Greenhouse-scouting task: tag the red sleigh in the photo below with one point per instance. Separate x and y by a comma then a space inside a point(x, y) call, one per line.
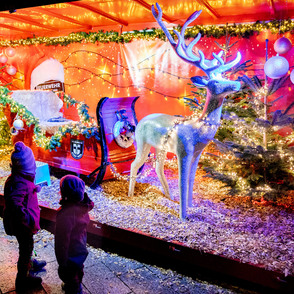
point(97, 157)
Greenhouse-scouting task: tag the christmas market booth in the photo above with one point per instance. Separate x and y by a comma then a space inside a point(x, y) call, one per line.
point(178, 115)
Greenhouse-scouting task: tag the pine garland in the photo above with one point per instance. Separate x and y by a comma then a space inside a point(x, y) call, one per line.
point(215, 31)
point(86, 126)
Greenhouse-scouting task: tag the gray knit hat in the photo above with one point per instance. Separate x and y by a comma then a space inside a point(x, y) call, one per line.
point(22, 159)
point(72, 188)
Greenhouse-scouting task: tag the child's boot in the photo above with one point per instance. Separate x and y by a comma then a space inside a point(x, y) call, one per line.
point(37, 265)
point(25, 282)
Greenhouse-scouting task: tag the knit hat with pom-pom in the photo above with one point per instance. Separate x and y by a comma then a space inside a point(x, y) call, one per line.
point(72, 188)
point(22, 159)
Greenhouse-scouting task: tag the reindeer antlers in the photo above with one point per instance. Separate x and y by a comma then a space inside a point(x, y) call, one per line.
point(158, 17)
point(212, 68)
point(181, 44)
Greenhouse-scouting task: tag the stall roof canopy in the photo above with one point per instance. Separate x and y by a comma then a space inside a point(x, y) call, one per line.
point(57, 18)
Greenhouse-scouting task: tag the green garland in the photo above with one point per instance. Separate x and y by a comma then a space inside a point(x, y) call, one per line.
point(216, 31)
point(86, 126)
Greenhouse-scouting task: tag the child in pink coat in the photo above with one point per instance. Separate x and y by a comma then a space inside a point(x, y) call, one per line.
point(71, 232)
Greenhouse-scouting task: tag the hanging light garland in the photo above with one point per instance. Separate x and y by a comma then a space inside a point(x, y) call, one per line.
point(102, 76)
point(239, 30)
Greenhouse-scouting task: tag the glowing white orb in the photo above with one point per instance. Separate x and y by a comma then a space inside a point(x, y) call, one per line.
point(276, 67)
point(18, 124)
point(3, 58)
point(11, 70)
point(10, 52)
point(292, 76)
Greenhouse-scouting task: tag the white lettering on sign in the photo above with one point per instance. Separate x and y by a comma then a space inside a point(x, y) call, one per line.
point(50, 85)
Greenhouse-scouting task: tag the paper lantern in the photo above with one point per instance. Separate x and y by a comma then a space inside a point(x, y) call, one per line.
point(10, 52)
point(3, 58)
point(276, 67)
point(282, 45)
point(18, 124)
point(11, 70)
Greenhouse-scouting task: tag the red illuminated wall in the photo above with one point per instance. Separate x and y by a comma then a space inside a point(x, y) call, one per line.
point(149, 69)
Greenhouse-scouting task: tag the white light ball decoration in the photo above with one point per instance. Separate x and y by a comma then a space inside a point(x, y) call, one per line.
point(3, 58)
point(11, 70)
point(282, 45)
point(18, 124)
point(10, 52)
point(292, 76)
point(276, 67)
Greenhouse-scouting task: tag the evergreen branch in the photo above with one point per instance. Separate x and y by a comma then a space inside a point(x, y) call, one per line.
point(193, 103)
point(257, 82)
point(249, 82)
point(276, 84)
point(274, 101)
point(288, 108)
point(241, 67)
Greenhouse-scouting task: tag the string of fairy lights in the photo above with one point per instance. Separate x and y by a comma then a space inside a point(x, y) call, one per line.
point(122, 73)
point(125, 69)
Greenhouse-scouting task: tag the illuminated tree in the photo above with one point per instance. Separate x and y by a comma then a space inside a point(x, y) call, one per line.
point(249, 154)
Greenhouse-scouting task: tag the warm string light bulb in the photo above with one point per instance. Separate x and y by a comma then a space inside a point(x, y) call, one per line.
point(123, 73)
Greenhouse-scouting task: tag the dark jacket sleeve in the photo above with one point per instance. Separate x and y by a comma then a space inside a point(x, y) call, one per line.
point(63, 230)
point(87, 202)
point(17, 206)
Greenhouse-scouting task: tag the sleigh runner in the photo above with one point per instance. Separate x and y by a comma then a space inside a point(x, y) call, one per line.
point(91, 152)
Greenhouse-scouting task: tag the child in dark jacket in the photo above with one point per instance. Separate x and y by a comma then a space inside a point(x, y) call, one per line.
point(71, 232)
point(21, 216)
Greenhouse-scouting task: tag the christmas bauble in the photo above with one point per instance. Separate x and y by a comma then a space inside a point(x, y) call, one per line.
point(276, 67)
point(11, 70)
point(18, 124)
point(10, 52)
point(292, 76)
point(282, 45)
point(3, 58)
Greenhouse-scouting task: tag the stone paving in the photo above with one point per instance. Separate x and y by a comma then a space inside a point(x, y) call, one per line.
point(104, 272)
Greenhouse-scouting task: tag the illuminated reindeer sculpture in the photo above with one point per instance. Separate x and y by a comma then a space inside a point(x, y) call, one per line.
point(184, 137)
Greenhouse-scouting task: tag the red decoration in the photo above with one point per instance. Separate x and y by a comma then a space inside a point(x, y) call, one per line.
point(10, 52)
point(3, 58)
point(282, 45)
point(11, 70)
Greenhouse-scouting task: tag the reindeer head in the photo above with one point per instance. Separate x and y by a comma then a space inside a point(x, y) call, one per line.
point(214, 82)
point(217, 87)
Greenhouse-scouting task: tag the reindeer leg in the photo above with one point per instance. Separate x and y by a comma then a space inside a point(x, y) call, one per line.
point(160, 173)
point(184, 163)
point(192, 179)
point(141, 157)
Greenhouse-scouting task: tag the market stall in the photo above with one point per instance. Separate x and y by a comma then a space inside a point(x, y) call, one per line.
point(233, 82)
